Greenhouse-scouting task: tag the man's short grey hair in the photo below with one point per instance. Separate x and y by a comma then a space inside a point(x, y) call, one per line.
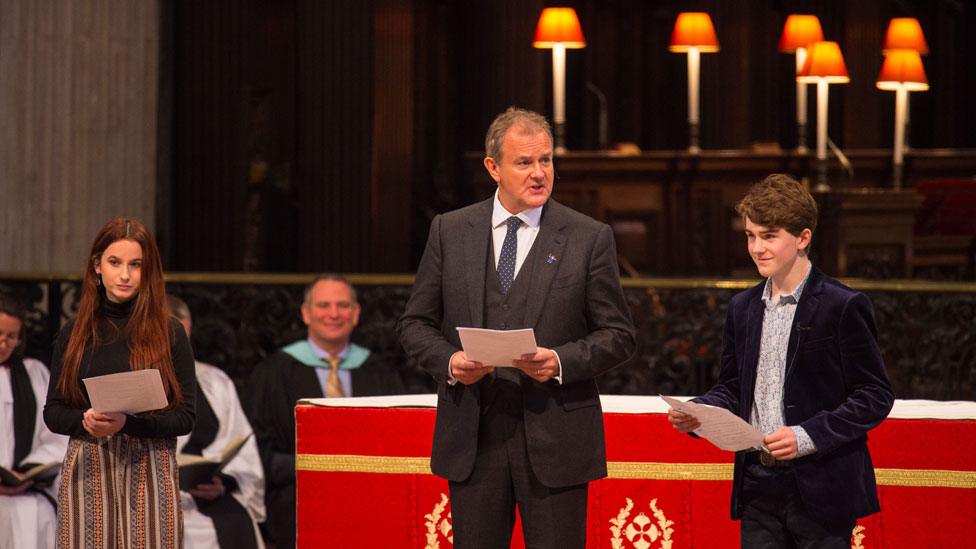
point(531, 121)
point(328, 276)
point(179, 308)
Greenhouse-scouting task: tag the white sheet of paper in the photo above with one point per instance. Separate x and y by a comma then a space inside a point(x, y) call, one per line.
point(127, 392)
point(720, 426)
point(496, 347)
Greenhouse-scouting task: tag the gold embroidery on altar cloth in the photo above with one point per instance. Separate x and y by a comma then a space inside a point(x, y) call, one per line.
point(857, 536)
point(439, 529)
point(640, 532)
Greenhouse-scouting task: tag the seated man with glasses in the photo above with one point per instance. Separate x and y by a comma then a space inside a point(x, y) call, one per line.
point(27, 510)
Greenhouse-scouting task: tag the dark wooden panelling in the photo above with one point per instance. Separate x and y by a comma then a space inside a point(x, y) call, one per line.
point(437, 146)
point(673, 212)
point(334, 133)
point(209, 147)
point(747, 88)
point(393, 129)
point(499, 67)
point(272, 237)
point(362, 110)
point(862, 55)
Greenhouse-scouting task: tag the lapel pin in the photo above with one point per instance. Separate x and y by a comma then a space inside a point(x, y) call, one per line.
point(551, 259)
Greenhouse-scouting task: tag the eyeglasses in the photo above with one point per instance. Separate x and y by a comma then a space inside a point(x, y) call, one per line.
point(10, 339)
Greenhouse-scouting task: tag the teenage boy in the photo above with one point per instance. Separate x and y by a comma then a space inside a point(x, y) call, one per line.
point(801, 363)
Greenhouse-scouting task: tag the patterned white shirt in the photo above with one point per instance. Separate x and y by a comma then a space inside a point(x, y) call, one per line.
point(767, 406)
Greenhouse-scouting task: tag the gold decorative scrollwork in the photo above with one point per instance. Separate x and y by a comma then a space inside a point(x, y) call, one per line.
point(640, 532)
point(438, 528)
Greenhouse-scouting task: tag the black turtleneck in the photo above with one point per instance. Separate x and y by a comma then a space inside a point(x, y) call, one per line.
point(110, 356)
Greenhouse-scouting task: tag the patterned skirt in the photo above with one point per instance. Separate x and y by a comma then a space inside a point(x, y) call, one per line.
point(120, 492)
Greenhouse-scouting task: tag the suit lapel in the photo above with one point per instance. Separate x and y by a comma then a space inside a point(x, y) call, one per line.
point(550, 242)
point(476, 239)
point(806, 311)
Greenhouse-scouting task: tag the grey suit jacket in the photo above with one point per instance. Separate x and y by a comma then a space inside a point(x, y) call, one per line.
point(576, 307)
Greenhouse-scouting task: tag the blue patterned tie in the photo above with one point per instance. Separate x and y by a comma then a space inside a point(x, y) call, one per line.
point(506, 261)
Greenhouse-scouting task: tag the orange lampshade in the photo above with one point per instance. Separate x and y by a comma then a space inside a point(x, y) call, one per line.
point(904, 33)
point(799, 32)
point(903, 67)
point(558, 25)
point(693, 29)
point(824, 60)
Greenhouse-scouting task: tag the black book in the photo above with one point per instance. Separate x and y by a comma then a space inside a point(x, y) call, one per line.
point(39, 472)
point(196, 470)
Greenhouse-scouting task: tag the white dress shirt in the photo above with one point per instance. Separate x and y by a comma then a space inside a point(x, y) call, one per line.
point(528, 230)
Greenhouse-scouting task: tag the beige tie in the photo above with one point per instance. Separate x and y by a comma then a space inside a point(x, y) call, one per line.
point(333, 388)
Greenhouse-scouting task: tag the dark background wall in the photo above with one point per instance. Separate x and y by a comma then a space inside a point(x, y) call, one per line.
point(300, 135)
point(679, 329)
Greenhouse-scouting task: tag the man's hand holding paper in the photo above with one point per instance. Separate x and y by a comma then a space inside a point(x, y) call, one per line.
point(541, 366)
point(467, 371)
point(497, 347)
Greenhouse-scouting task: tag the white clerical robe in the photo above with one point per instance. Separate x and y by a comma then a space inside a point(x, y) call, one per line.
point(246, 466)
point(27, 520)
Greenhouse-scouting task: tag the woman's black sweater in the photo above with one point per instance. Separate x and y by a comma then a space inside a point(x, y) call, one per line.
point(112, 356)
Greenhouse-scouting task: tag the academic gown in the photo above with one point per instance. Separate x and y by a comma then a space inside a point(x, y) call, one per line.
point(277, 383)
point(221, 395)
point(27, 521)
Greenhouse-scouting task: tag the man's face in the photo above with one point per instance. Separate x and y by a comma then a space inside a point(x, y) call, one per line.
point(524, 174)
point(774, 251)
point(330, 313)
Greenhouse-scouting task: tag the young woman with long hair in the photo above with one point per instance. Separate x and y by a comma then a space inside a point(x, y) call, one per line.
point(119, 483)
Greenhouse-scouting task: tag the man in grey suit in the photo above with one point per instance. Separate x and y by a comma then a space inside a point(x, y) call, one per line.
point(532, 435)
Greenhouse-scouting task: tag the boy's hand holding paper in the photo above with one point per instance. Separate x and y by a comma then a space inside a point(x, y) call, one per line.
point(720, 426)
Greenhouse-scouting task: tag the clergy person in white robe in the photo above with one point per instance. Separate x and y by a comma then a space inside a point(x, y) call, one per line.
point(245, 468)
point(27, 512)
point(226, 512)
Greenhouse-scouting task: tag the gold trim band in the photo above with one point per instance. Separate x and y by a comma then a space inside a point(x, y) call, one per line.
point(339, 463)
point(928, 478)
point(650, 470)
point(343, 463)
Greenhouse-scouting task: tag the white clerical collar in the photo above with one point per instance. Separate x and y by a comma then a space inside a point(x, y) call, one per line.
point(499, 215)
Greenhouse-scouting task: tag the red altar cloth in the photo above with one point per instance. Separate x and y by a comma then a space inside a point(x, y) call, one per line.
point(364, 481)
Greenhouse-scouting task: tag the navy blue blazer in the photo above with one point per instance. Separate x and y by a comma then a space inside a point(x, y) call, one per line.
point(835, 387)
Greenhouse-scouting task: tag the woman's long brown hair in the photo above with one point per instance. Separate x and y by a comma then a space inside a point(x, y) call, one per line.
point(147, 329)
